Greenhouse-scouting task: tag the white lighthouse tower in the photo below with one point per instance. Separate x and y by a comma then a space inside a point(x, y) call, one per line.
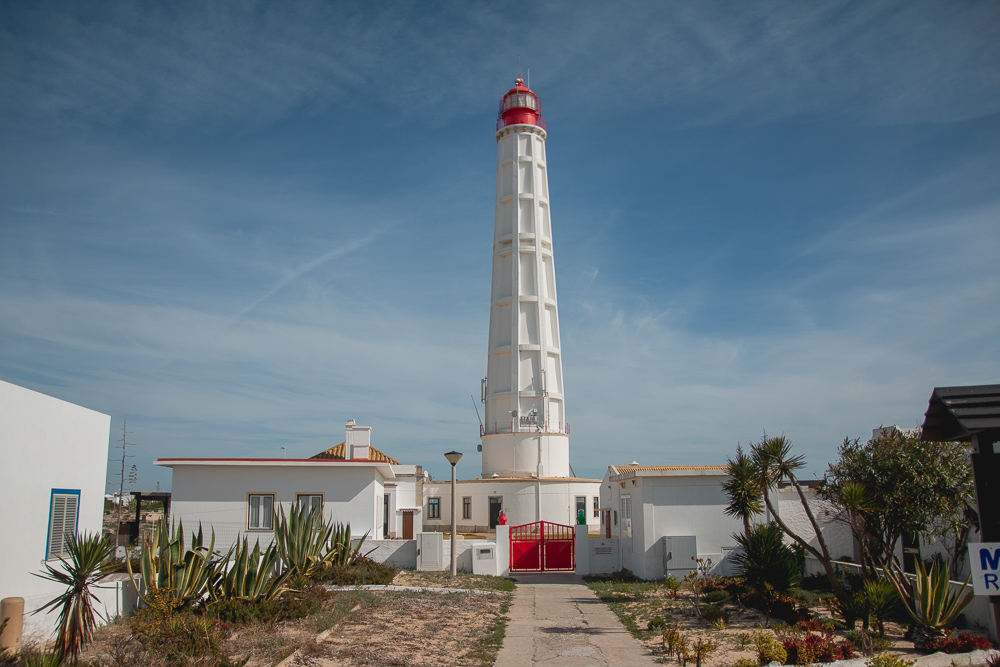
point(525, 432)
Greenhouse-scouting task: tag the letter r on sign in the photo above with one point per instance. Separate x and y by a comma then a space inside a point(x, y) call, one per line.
point(991, 580)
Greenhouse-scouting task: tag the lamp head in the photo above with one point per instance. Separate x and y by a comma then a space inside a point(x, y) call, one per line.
point(453, 457)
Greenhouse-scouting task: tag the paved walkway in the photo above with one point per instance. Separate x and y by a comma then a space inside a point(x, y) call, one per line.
point(556, 621)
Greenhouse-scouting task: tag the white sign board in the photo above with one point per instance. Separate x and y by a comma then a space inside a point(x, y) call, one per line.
point(984, 558)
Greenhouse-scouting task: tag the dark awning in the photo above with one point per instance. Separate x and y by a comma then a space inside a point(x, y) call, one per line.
point(956, 413)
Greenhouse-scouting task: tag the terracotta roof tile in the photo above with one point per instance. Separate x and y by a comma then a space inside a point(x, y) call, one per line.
point(337, 452)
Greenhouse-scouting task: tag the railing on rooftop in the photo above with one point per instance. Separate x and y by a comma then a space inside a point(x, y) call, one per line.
point(523, 426)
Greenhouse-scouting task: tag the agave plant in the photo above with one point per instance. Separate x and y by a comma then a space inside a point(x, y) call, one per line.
point(250, 574)
point(340, 552)
point(932, 604)
point(168, 566)
point(300, 538)
point(89, 556)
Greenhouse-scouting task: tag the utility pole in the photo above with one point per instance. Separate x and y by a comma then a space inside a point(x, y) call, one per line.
point(121, 488)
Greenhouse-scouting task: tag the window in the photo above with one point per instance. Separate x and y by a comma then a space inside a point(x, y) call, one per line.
point(260, 514)
point(467, 507)
point(64, 509)
point(627, 516)
point(581, 506)
point(433, 508)
point(308, 502)
point(597, 507)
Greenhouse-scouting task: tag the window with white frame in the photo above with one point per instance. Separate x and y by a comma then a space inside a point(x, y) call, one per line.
point(308, 502)
point(597, 507)
point(467, 507)
point(581, 507)
point(433, 508)
point(627, 516)
point(260, 511)
point(64, 510)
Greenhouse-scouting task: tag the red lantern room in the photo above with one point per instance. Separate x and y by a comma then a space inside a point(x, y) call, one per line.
point(520, 106)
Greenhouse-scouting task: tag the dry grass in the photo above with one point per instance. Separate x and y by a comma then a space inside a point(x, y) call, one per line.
point(356, 628)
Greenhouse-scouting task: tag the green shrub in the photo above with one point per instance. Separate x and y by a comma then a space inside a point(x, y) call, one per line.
point(712, 613)
point(765, 561)
point(180, 637)
point(656, 623)
point(769, 649)
point(361, 571)
point(716, 596)
point(889, 660)
point(745, 662)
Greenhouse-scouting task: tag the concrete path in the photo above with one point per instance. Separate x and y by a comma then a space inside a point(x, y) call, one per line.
point(556, 621)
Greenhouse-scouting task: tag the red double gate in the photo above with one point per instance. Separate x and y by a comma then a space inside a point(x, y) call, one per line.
point(542, 547)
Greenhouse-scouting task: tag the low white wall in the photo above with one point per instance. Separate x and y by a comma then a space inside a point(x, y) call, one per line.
point(596, 555)
point(398, 553)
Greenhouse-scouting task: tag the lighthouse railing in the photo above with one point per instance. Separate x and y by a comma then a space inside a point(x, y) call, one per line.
point(515, 426)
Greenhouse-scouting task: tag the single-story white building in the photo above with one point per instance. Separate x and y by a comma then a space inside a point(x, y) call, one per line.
point(665, 515)
point(52, 481)
point(352, 482)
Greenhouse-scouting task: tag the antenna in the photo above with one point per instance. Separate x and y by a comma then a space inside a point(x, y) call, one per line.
point(528, 80)
point(477, 410)
point(519, 65)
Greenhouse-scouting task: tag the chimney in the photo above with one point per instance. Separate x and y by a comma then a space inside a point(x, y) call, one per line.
point(357, 442)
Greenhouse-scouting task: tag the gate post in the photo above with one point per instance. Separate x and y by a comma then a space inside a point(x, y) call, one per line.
point(503, 551)
point(582, 546)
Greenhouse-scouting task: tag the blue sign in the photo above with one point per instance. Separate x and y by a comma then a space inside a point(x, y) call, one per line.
point(984, 558)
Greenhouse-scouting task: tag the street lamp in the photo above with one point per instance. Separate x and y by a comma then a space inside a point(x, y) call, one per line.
point(453, 458)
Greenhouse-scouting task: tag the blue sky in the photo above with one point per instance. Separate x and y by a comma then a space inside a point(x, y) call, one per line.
point(239, 226)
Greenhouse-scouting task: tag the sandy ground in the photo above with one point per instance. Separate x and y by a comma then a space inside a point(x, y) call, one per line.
point(731, 642)
point(380, 628)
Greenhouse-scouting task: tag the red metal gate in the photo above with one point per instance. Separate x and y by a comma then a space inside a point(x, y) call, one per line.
point(542, 547)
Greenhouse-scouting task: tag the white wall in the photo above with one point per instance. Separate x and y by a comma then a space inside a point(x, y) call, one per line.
point(216, 496)
point(404, 493)
point(46, 444)
point(524, 501)
point(679, 504)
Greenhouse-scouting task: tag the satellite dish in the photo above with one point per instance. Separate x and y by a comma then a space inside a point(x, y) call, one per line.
point(513, 413)
point(495, 475)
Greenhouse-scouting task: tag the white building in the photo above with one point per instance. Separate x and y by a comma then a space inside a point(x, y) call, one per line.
point(525, 435)
point(664, 515)
point(51, 484)
point(352, 482)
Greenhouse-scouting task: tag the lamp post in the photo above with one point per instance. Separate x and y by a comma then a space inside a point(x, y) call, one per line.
point(453, 458)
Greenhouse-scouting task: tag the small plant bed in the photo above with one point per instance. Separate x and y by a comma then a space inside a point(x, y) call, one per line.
point(714, 620)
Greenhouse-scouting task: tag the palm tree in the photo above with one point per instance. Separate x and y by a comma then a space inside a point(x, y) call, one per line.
point(743, 487)
point(774, 462)
point(89, 557)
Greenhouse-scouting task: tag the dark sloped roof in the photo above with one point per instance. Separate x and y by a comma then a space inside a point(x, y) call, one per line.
point(337, 452)
point(955, 413)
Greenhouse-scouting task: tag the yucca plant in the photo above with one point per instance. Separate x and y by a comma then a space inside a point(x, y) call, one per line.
point(89, 555)
point(168, 566)
point(765, 560)
point(340, 552)
point(300, 538)
point(880, 598)
point(250, 574)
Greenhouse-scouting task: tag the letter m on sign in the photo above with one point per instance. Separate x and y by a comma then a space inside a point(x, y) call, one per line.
point(989, 561)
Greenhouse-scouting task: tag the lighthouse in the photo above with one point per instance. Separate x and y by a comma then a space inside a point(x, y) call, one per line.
point(525, 433)
point(525, 436)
